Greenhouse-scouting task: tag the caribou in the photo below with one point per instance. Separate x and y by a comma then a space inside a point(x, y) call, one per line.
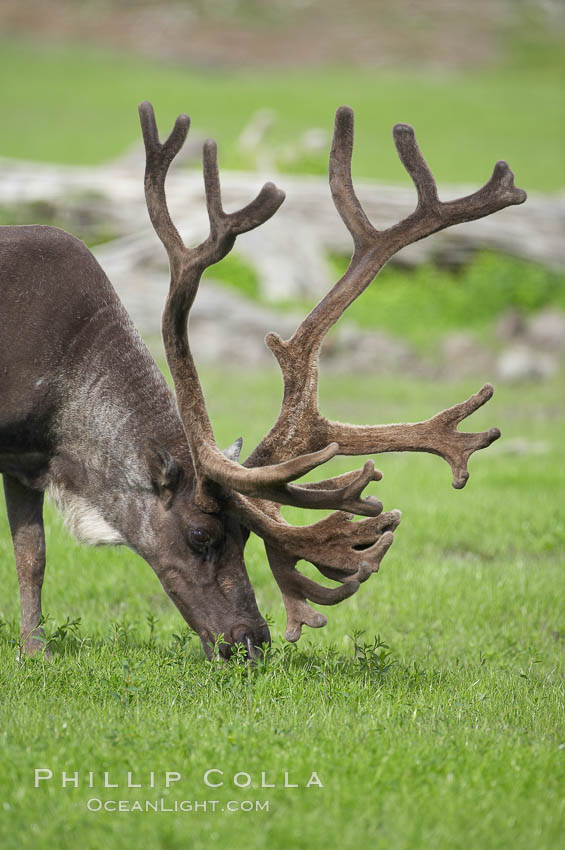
point(87, 416)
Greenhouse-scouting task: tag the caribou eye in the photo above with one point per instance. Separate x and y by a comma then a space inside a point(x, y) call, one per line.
point(199, 538)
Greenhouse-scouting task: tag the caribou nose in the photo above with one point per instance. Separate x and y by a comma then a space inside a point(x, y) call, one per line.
point(252, 638)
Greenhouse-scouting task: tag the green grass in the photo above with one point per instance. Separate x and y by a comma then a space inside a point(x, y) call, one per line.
point(234, 272)
point(443, 300)
point(452, 738)
point(79, 105)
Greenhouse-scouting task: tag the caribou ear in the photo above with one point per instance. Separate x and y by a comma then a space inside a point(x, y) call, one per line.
point(165, 472)
point(232, 452)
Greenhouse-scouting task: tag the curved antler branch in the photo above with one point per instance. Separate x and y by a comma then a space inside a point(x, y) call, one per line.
point(230, 225)
point(341, 185)
point(438, 435)
point(158, 159)
point(431, 214)
point(342, 550)
point(342, 493)
point(411, 158)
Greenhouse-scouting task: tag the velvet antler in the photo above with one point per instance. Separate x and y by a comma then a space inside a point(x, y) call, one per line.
point(302, 439)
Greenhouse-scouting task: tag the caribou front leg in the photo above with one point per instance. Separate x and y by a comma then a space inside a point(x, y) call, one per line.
point(25, 515)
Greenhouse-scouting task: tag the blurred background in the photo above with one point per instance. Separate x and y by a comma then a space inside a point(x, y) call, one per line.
point(479, 81)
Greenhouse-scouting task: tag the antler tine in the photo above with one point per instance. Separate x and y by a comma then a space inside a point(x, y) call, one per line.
point(296, 589)
point(416, 166)
point(341, 184)
point(158, 159)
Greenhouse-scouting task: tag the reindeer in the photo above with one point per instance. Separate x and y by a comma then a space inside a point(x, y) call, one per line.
point(87, 416)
